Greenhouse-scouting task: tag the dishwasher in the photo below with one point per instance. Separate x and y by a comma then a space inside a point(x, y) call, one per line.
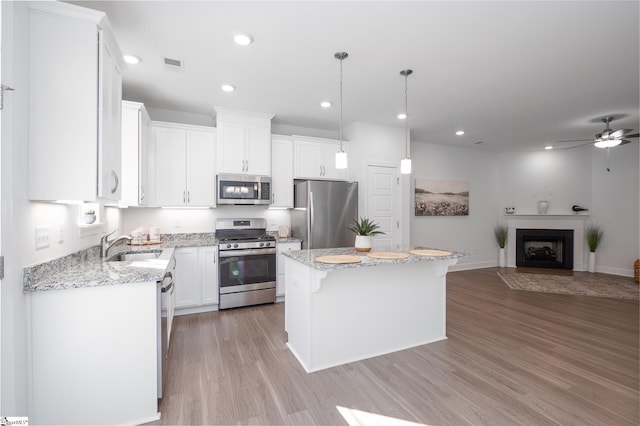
point(166, 306)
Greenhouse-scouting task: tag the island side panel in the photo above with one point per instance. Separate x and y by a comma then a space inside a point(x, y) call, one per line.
point(297, 320)
point(338, 316)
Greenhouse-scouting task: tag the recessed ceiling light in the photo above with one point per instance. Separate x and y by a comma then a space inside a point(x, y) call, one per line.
point(228, 87)
point(132, 59)
point(460, 132)
point(402, 116)
point(243, 39)
point(548, 147)
point(325, 104)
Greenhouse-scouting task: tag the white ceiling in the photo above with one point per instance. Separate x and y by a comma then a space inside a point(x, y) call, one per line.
point(515, 75)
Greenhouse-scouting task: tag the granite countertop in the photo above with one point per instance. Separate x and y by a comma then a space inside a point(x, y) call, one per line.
point(307, 257)
point(86, 269)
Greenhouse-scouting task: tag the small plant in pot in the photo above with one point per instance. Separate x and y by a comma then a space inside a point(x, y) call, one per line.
point(89, 216)
point(501, 232)
point(593, 233)
point(364, 230)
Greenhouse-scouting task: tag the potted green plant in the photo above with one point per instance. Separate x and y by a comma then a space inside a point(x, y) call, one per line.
point(89, 216)
point(364, 230)
point(593, 233)
point(501, 232)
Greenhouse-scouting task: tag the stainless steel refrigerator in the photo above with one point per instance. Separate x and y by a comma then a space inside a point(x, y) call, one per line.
point(323, 211)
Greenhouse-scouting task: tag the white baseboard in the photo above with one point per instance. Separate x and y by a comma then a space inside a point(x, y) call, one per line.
point(615, 271)
point(472, 265)
point(488, 264)
point(195, 310)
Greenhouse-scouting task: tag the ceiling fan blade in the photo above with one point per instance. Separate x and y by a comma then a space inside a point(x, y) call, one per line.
point(619, 133)
point(624, 142)
point(578, 146)
point(635, 135)
point(576, 140)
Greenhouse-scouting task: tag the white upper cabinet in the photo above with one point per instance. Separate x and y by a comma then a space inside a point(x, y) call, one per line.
point(75, 93)
point(315, 158)
point(135, 127)
point(244, 142)
point(281, 172)
point(181, 165)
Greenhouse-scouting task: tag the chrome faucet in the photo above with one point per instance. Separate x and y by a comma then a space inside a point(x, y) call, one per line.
point(105, 244)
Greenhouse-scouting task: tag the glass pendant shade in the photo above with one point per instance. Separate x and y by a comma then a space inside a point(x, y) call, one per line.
point(341, 160)
point(405, 166)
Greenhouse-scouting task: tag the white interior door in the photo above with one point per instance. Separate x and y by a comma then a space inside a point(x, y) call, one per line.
point(383, 188)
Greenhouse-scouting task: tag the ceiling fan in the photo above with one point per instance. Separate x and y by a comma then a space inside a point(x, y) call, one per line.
point(608, 138)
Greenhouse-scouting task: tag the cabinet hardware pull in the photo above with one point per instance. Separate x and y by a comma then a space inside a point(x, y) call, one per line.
point(184, 196)
point(142, 193)
point(188, 197)
point(116, 182)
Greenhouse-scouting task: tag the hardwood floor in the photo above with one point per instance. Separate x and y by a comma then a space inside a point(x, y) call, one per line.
point(511, 358)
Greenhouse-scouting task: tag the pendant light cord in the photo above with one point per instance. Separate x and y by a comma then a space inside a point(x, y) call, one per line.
point(341, 59)
point(406, 118)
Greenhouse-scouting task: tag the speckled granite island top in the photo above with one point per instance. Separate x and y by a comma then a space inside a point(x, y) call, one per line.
point(86, 269)
point(307, 257)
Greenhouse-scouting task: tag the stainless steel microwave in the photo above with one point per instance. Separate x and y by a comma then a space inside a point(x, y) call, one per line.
point(243, 189)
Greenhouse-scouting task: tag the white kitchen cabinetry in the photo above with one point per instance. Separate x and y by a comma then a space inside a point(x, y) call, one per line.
point(135, 127)
point(75, 93)
point(244, 142)
point(187, 279)
point(196, 279)
point(181, 165)
point(92, 345)
point(315, 158)
point(280, 267)
point(281, 172)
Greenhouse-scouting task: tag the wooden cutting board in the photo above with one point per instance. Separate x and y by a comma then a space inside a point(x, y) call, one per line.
point(388, 256)
point(338, 258)
point(426, 252)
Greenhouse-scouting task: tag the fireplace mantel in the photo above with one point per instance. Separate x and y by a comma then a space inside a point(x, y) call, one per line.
point(550, 216)
point(574, 222)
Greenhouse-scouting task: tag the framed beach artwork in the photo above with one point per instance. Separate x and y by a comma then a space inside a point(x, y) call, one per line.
point(439, 197)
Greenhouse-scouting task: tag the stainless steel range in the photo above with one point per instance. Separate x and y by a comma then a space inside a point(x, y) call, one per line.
point(247, 263)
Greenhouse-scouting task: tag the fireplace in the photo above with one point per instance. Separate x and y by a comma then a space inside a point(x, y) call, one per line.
point(544, 248)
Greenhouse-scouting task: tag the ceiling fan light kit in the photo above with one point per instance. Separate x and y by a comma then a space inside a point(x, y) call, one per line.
point(608, 138)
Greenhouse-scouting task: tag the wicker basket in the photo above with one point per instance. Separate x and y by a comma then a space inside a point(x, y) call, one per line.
point(636, 270)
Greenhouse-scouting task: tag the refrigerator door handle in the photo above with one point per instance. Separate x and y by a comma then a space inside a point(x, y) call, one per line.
point(310, 221)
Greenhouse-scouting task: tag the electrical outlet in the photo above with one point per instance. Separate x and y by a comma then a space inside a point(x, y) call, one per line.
point(42, 237)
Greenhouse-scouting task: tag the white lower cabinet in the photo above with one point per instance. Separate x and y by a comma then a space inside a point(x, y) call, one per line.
point(196, 279)
point(280, 270)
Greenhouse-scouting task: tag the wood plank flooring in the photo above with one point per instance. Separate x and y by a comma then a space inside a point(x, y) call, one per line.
point(511, 358)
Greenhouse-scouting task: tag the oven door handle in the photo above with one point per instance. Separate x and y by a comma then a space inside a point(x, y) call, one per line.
point(248, 252)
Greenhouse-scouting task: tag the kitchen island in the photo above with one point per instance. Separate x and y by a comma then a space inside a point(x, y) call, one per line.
point(340, 313)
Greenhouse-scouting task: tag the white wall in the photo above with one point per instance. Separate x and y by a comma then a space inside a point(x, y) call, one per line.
point(471, 234)
point(377, 145)
point(562, 177)
point(21, 216)
point(176, 220)
point(616, 207)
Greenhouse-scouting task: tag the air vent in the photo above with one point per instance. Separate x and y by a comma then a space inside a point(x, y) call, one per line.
point(175, 65)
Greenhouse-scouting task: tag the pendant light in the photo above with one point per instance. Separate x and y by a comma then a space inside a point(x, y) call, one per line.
point(341, 156)
point(405, 164)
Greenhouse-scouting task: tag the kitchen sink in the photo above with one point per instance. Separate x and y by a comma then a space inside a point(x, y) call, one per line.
point(133, 257)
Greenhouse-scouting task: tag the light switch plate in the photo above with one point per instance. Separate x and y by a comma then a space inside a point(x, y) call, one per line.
point(42, 237)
